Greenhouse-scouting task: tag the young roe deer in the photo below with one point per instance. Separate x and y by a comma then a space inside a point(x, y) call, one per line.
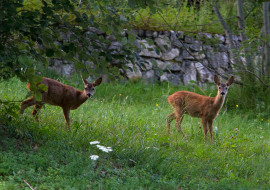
point(195, 105)
point(59, 94)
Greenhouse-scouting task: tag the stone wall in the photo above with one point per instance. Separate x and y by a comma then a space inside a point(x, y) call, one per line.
point(174, 57)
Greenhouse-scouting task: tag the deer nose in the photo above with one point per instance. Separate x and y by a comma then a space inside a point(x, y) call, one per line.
point(222, 93)
point(89, 95)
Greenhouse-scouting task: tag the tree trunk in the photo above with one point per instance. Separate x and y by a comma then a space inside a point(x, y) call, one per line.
point(228, 32)
point(241, 26)
point(266, 35)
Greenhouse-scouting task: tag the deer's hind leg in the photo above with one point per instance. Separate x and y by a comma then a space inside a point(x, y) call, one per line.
point(66, 112)
point(169, 119)
point(25, 104)
point(36, 110)
point(179, 118)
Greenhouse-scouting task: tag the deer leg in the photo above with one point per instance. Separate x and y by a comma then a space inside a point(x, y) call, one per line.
point(36, 110)
point(66, 112)
point(205, 128)
point(210, 128)
point(25, 104)
point(169, 119)
point(179, 120)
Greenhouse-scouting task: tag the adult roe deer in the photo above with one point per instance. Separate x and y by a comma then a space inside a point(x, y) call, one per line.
point(59, 94)
point(195, 105)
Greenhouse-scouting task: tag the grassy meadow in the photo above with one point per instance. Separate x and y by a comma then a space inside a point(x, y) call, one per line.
point(131, 119)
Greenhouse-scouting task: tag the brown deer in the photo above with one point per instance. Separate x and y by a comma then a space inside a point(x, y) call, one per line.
point(59, 94)
point(195, 105)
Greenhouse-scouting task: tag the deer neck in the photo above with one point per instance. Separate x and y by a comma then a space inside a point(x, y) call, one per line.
point(81, 98)
point(219, 101)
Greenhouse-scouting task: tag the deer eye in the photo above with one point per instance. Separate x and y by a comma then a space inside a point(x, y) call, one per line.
point(219, 87)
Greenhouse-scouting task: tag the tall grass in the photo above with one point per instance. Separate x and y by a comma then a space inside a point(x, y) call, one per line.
point(130, 118)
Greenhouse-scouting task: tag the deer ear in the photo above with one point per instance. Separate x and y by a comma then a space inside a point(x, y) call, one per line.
point(216, 79)
point(97, 82)
point(84, 81)
point(230, 81)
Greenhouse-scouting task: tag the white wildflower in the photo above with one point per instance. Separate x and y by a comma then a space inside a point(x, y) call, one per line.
point(94, 157)
point(104, 149)
point(94, 142)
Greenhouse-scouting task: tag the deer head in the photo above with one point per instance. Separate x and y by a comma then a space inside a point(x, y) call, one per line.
point(223, 87)
point(89, 88)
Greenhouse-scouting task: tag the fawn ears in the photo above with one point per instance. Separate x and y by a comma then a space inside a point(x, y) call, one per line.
point(216, 80)
point(97, 82)
point(230, 81)
point(85, 82)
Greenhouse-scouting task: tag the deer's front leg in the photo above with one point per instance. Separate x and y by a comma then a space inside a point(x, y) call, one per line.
point(66, 112)
point(210, 128)
point(205, 128)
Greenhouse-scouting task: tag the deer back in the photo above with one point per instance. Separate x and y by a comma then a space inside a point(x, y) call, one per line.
point(191, 103)
point(62, 95)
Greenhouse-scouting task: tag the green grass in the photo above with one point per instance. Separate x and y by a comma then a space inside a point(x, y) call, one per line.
point(130, 118)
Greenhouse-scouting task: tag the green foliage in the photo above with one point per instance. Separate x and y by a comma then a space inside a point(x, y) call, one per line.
point(39, 30)
point(178, 17)
point(131, 118)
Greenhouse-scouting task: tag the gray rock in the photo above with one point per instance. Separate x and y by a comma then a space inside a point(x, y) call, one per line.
point(141, 33)
point(173, 36)
point(190, 73)
point(170, 55)
point(149, 33)
point(111, 38)
point(148, 75)
point(180, 34)
point(179, 58)
point(96, 31)
point(164, 78)
point(148, 50)
point(155, 34)
point(167, 33)
point(177, 44)
point(163, 65)
point(188, 39)
point(221, 38)
point(63, 69)
point(124, 33)
point(203, 74)
point(115, 46)
point(218, 59)
point(205, 35)
point(148, 64)
point(174, 79)
point(221, 48)
point(187, 56)
point(163, 43)
point(175, 67)
point(195, 46)
point(135, 74)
